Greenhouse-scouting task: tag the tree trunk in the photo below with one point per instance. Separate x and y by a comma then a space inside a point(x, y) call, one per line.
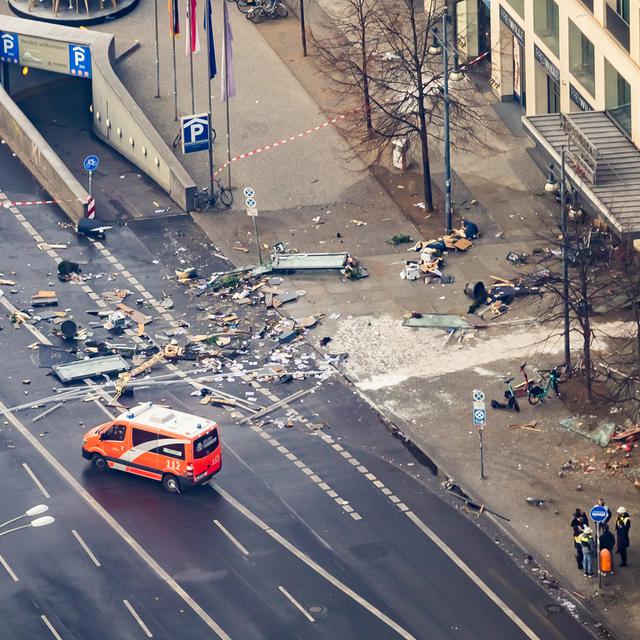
point(365, 91)
point(586, 336)
point(426, 169)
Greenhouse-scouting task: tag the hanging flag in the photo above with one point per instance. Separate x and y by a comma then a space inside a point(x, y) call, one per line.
point(174, 18)
point(228, 79)
point(208, 27)
point(192, 44)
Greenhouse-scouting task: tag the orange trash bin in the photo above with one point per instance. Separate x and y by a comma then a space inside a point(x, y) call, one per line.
point(605, 560)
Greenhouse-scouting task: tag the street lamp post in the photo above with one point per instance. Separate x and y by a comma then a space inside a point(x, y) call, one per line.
point(38, 522)
point(552, 187)
point(29, 513)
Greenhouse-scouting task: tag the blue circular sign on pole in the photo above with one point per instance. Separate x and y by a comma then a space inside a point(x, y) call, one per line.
point(91, 163)
point(598, 513)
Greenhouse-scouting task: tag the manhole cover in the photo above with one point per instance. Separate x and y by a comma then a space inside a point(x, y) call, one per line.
point(553, 608)
point(316, 608)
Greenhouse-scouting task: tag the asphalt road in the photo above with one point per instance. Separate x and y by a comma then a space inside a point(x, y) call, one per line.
point(336, 532)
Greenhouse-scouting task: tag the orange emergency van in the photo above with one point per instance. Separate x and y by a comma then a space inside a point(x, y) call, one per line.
point(179, 449)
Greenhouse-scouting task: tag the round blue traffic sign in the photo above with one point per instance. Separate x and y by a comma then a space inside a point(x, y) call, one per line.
point(91, 163)
point(598, 513)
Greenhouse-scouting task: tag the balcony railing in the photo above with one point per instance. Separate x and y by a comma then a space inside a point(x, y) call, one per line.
point(588, 4)
point(622, 117)
point(617, 27)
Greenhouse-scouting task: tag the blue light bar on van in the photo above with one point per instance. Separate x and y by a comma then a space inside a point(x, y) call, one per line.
point(136, 411)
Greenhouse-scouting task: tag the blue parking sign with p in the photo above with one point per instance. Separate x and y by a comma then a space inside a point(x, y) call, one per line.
point(9, 49)
point(195, 132)
point(79, 61)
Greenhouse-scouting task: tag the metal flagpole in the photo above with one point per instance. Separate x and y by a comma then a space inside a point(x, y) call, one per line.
point(191, 22)
point(175, 79)
point(155, 17)
point(207, 9)
point(226, 91)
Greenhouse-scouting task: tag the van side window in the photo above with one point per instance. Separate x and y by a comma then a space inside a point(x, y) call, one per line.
point(174, 450)
point(140, 436)
point(115, 433)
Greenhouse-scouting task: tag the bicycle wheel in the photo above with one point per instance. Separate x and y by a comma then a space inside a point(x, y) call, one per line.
point(177, 140)
point(201, 202)
point(281, 10)
point(225, 196)
point(245, 7)
point(213, 134)
point(256, 15)
point(533, 399)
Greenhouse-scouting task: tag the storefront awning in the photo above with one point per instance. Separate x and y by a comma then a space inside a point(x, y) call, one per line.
point(601, 162)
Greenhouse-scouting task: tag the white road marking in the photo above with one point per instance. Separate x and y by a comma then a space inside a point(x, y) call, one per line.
point(112, 522)
point(296, 604)
point(54, 633)
point(84, 545)
point(472, 575)
point(138, 619)
point(8, 569)
point(231, 537)
point(403, 633)
point(36, 481)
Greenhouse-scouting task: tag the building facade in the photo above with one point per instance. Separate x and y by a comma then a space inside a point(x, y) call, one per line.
point(567, 56)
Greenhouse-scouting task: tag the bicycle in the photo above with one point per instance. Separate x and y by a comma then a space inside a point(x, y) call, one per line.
point(266, 9)
point(537, 394)
point(202, 201)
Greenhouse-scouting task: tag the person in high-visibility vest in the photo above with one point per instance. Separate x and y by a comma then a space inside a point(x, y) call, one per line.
point(588, 551)
point(579, 522)
point(623, 524)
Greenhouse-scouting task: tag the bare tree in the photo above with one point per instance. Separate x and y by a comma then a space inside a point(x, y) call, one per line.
point(347, 43)
point(389, 61)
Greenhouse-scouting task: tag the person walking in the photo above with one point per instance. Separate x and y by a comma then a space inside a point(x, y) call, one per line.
point(607, 541)
point(623, 524)
point(579, 522)
point(588, 551)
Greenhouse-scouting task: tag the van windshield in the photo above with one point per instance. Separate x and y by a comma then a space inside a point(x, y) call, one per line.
point(205, 445)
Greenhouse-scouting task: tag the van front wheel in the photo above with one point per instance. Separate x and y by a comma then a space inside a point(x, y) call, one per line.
point(171, 483)
point(99, 463)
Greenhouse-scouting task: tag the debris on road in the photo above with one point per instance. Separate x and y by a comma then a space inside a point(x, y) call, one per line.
point(443, 321)
point(394, 241)
point(598, 431)
point(81, 369)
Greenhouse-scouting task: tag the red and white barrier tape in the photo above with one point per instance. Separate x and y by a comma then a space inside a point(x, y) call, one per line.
point(279, 143)
point(9, 203)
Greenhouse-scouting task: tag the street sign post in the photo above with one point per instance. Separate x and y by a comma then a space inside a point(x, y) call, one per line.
point(195, 132)
point(598, 514)
point(252, 212)
point(90, 164)
point(479, 413)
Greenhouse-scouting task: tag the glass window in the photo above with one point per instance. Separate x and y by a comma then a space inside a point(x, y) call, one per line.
point(205, 445)
point(618, 97)
point(116, 433)
point(546, 24)
point(518, 5)
point(174, 450)
point(582, 58)
point(140, 436)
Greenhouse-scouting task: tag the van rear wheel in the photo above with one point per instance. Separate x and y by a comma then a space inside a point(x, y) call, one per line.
point(99, 462)
point(171, 483)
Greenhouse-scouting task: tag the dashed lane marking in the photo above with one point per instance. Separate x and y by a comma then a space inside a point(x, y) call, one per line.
point(296, 604)
point(403, 633)
point(231, 537)
point(37, 482)
point(51, 628)
point(85, 546)
point(8, 569)
point(138, 619)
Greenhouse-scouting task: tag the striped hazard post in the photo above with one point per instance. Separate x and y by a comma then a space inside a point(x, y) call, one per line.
point(91, 208)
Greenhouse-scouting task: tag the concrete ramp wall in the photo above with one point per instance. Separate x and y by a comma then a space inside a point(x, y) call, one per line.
point(117, 118)
point(43, 162)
